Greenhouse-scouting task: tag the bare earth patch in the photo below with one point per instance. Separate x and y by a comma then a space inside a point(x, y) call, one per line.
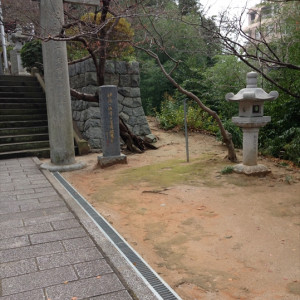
point(210, 236)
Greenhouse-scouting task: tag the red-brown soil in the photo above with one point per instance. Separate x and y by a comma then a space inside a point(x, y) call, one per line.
point(209, 235)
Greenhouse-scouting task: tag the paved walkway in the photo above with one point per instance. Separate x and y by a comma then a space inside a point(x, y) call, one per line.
point(45, 252)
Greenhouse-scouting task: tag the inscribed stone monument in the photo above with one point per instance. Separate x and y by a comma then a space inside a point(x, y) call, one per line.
point(108, 103)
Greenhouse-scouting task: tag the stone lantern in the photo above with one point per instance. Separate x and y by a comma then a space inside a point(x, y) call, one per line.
point(251, 118)
point(15, 55)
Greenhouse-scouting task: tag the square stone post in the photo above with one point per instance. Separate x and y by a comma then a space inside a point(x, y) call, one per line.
point(108, 103)
point(250, 146)
point(57, 89)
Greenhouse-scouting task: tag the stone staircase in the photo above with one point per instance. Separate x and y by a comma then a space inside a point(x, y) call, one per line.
point(23, 118)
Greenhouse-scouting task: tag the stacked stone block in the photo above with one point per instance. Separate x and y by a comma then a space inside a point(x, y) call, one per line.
point(126, 76)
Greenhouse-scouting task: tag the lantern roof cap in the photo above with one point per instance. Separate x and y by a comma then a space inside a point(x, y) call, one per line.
point(252, 92)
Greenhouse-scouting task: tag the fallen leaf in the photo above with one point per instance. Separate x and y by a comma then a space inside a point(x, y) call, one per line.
point(66, 282)
point(98, 277)
point(201, 207)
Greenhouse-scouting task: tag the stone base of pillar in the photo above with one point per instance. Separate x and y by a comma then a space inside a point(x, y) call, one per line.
point(63, 168)
point(107, 161)
point(257, 170)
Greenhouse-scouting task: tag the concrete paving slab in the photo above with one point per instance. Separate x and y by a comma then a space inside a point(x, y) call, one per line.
point(93, 268)
point(12, 232)
point(34, 206)
point(122, 295)
point(79, 243)
point(90, 287)
point(33, 214)
point(57, 235)
point(68, 258)
point(32, 295)
point(15, 242)
point(65, 224)
point(30, 251)
point(45, 219)
point(19, 267)
point(35, 280)
point(47, 246)
point(11, 223)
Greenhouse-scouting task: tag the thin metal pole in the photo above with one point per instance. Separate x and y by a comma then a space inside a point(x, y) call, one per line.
point(186, 132)
point(3, 39)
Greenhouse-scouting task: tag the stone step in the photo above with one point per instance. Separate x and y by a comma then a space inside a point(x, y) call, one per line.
point(23, 146)
point(22, 95)
point(23, 117)
point(23, 111)
point(17, 78)
point(42, 153)
point(23, 130)
point(21, 124)
point(22, 105)
point(23, 100)
point(19, 83)
point(23, 138)
point(18, 89)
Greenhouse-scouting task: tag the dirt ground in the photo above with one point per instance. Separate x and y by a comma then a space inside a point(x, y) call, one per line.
point(209, 235)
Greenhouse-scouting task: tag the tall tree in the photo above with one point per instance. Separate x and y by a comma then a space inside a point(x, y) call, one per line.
point(187, 6)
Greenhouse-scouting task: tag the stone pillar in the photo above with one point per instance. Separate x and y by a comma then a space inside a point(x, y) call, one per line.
point(57, 89)
point(250, 146)
point(108, 103)
point(16, 63)
point(1, 66)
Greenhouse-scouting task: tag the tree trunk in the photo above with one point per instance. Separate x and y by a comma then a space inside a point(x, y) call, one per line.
point(103, 46)
point(132, 141)
point(225, 134)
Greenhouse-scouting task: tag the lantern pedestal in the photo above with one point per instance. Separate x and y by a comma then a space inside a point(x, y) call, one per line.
point(251, 170)
point(250, 129)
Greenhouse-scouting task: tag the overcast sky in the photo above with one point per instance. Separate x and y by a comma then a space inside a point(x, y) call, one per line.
point(235, 6)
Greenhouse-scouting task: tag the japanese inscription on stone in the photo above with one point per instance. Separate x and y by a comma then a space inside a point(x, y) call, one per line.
point(109, 120)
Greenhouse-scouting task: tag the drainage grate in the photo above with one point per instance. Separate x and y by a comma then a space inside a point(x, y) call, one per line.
point(148, 274)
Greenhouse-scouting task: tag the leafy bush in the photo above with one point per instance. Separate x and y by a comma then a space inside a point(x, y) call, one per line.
point(8, 49)
point(76, 51)
point(286, 145)
point(31, 55)
point(171, 115)
point(153, 86)
point(235, 131)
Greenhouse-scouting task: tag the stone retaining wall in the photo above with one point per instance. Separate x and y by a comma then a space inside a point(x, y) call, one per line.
point(87, 114)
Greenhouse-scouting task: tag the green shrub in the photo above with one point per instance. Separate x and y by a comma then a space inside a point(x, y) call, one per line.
point(31, 55)
point(236, 132)
point(171, 115)
point(8, 49)
point(76, 50)
point(286, 145)
point(227, 170)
